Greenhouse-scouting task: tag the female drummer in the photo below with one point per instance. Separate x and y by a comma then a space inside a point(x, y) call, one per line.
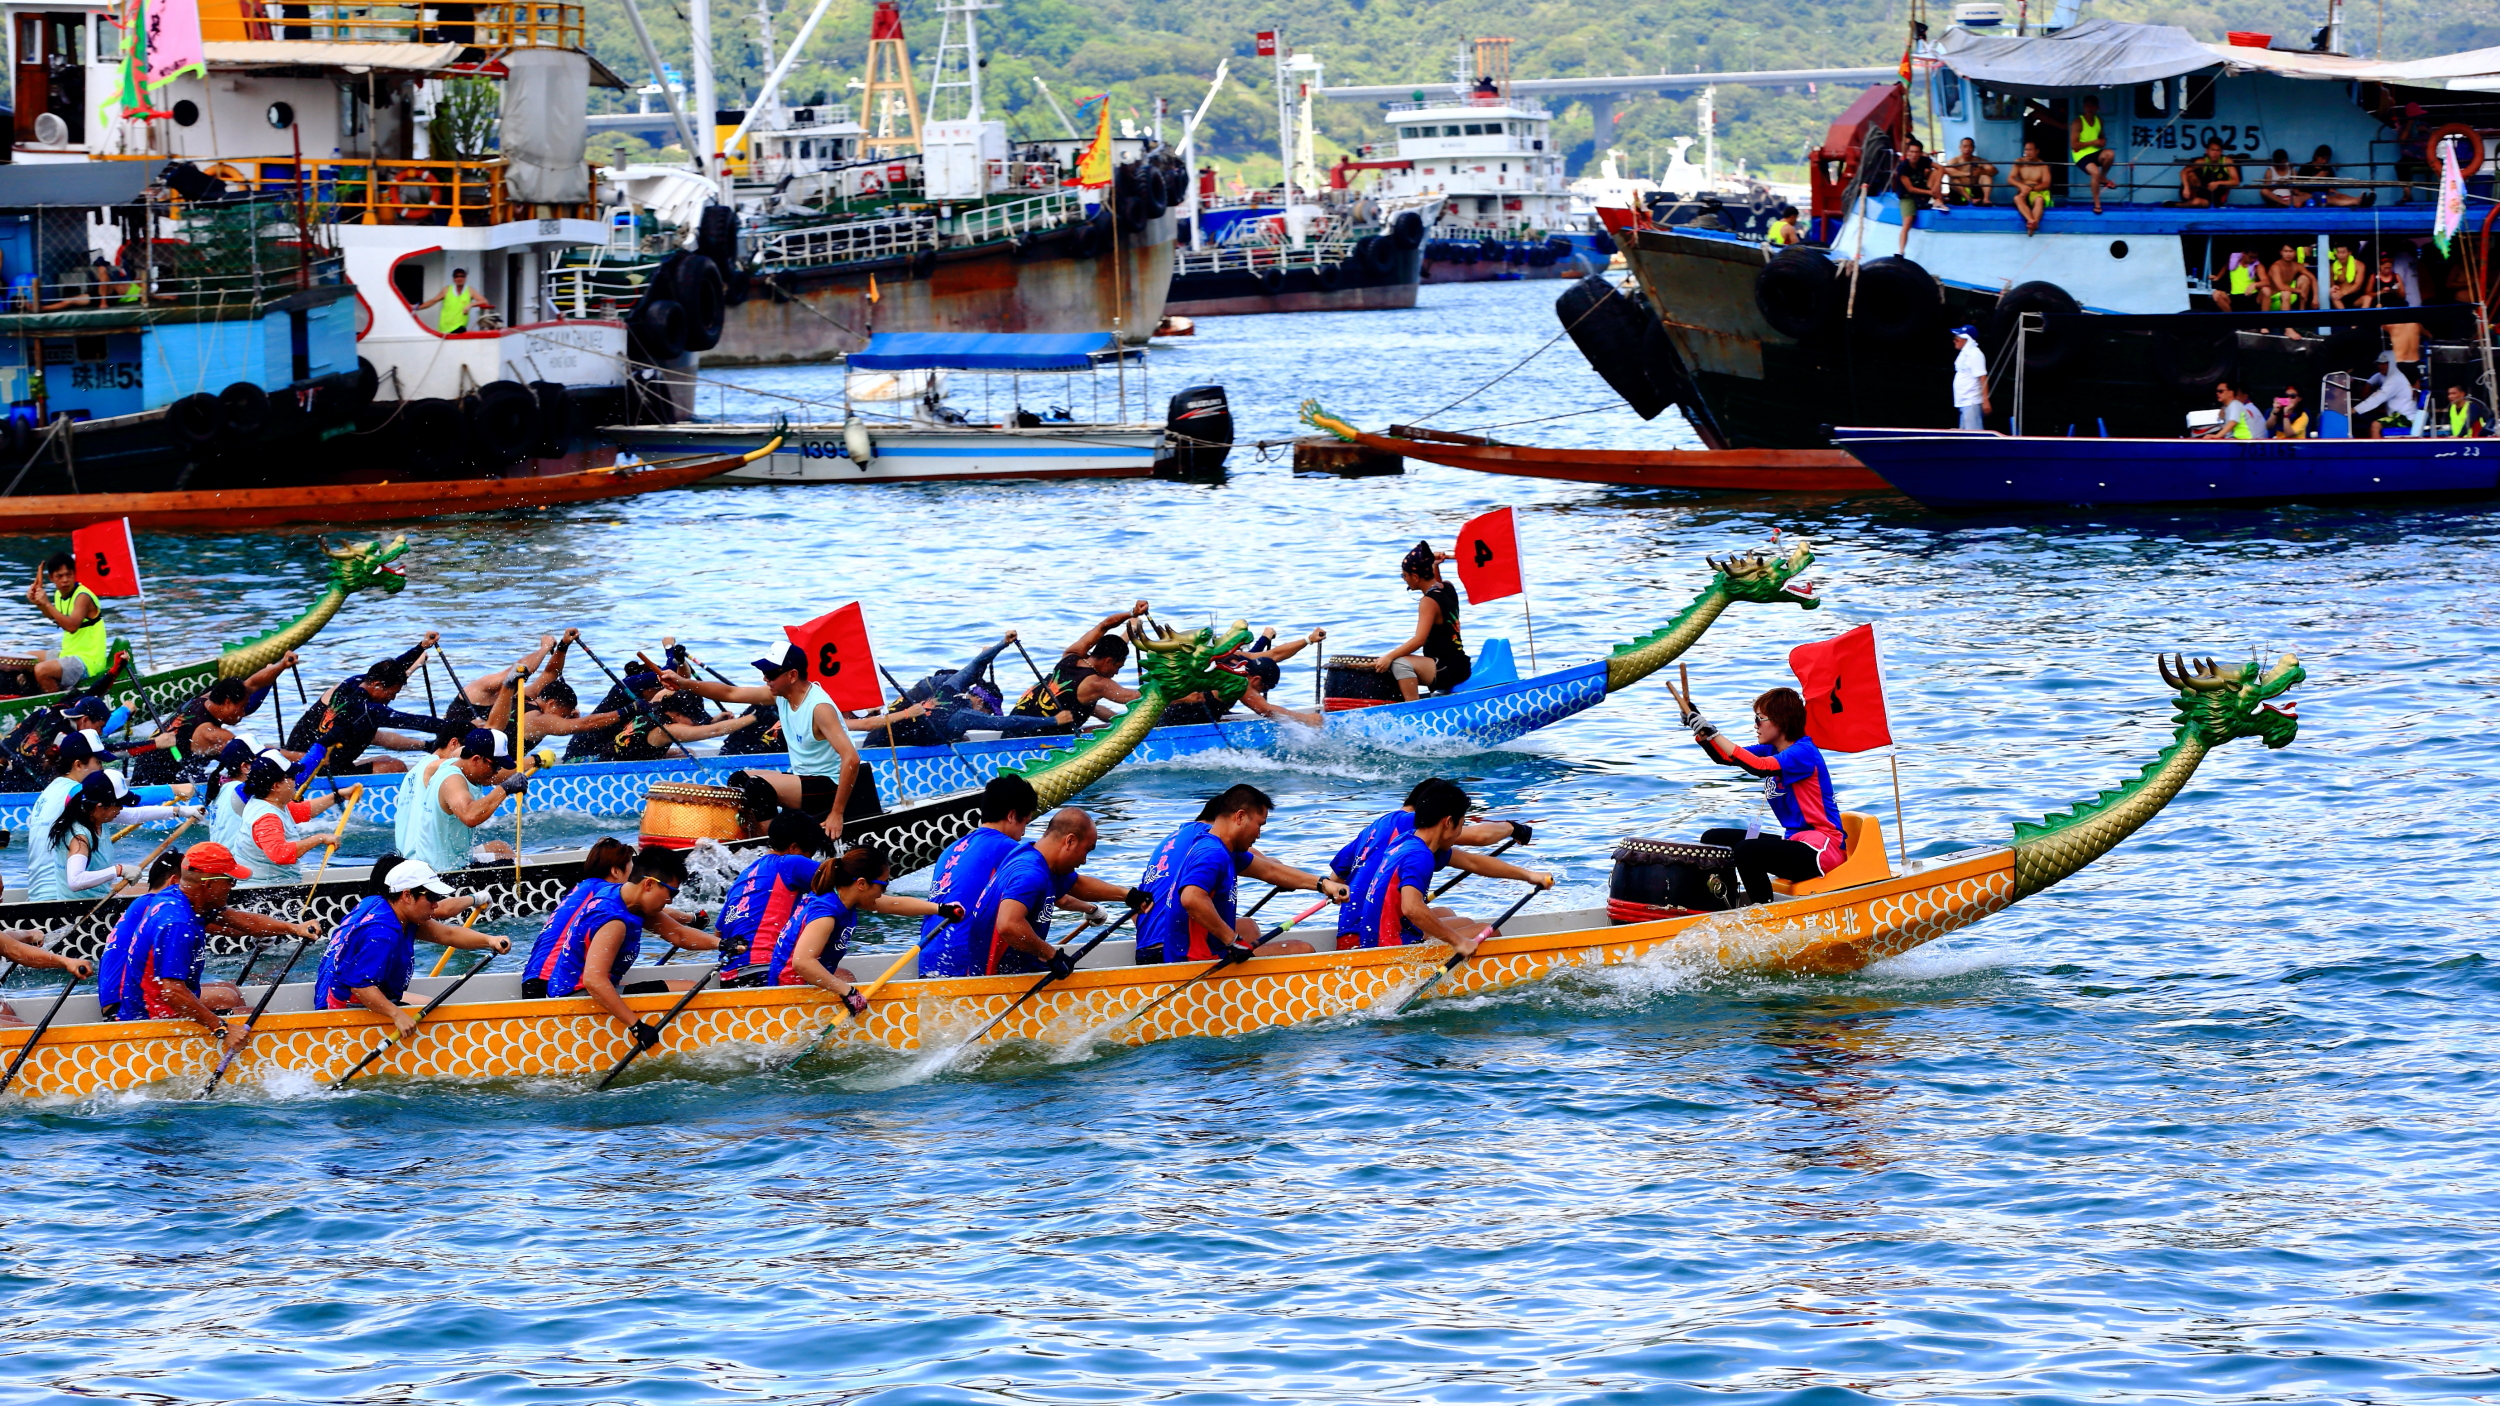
point(1794, 781)
point(1434, 657)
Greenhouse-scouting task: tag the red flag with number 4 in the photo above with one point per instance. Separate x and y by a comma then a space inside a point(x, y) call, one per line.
point(838, 658)
point(1844, 692)
point(1488, 557)
point(108, 562)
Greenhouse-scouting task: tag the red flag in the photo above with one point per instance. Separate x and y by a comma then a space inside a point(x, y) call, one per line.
point(838, 657)
point(1488, 557)
point(1267, 43)
point(1844, 692)
point(108, 562)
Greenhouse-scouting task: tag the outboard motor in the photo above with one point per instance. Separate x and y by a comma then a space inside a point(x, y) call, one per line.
point(1198, 435)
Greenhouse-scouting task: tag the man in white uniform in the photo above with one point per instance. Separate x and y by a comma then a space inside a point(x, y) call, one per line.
point(1970, 380)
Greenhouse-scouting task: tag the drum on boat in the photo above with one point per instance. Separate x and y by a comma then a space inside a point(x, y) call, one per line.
point(1354, 683)
point(1656, 879)
point(675, 814)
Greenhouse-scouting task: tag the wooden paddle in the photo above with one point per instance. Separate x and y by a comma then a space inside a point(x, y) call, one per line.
point(1213, 967)
point(355, 794)
point(1491, 929)
point(1047, 978)
point(393, 1038)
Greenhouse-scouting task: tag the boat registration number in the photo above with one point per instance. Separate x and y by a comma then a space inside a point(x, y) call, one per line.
point(2192, 136)
point(822, 449)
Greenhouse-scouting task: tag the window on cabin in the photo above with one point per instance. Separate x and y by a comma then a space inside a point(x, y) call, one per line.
point(2153, 100)
point(1949, 92)
point(2198, 100)
point(1998, 105)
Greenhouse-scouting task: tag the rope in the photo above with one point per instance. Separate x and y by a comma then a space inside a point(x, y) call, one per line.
point(1568, 329)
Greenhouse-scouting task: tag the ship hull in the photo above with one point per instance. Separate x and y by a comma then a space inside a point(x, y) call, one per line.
point(1350, 288)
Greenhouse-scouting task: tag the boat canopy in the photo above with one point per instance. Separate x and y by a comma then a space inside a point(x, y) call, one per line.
point(2104, 53)
point(86, 184)
point(312, 53)
point(983, 351)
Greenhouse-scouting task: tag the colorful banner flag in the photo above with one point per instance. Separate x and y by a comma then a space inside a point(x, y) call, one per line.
point(160, 43)
point(1267, 43)
point(2450, 216)
point(838, 657)
point(1488, 557)
point(1844, 692)
point(108, 561)
point(1093, 165)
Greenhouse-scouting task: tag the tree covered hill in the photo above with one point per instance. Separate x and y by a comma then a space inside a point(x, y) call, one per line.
point(1142, 50)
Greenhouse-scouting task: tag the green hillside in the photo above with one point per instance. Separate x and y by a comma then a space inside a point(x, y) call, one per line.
point(1142, 50)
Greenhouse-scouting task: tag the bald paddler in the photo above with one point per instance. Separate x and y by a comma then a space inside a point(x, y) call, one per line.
point(1009, 926)
point(445, 797)
point(1190, 880)
point(84, 645)
point(153, 961)
point(372, 953)
point(826, 777)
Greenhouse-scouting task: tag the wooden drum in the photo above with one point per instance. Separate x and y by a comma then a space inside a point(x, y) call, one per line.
point(675, 814)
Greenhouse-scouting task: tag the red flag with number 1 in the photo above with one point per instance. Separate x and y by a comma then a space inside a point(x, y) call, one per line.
point(838, 657)
point(108, 561)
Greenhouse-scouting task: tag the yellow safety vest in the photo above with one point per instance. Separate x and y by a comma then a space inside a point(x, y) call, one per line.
point(2458, 417)
point(2087, 136)
point(2346, 270)
point(1783, 232)
point(87, 643)
point(2243, 281)
point(456, 308)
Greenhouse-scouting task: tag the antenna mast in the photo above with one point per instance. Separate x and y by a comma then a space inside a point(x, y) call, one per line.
point(888, 106)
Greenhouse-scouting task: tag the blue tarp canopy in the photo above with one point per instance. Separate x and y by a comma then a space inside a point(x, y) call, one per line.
point(982, 351)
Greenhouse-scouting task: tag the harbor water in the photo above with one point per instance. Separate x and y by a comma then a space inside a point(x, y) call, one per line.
point(2210, 1122)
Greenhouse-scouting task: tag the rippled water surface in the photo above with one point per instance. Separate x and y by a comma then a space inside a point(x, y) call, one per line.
point(2208, 1123)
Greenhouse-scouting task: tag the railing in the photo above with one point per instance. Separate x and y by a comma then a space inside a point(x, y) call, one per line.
point(2164, 182)
point(1517, 104)
point(1256, 258)
point(1049, 211)
point(578, 291)
point(383, 191)
point(238, 255)
point(482, 26)
point(848, 241)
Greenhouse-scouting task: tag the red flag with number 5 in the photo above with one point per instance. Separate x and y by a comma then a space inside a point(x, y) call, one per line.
point(108, 562)
point(838, 658)
point(1488, 557)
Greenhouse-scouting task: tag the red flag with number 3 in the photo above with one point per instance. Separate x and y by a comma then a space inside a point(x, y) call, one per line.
point(1488, 557)
point(108, 562)
point(1844, 692)
point(838, 658)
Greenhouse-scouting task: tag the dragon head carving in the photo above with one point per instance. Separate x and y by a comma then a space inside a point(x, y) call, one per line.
point(1763, 578)
point(361, 566)
point(1181, 664)
point(2217, 703)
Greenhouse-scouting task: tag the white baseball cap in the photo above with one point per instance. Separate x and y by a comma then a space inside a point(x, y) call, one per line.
point(415, 874)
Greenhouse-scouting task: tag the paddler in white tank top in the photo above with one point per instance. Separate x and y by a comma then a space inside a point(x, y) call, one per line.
point(446, 798)
point(826, 778)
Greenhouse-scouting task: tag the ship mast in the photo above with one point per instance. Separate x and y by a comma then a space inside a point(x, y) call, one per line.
point(706, 101)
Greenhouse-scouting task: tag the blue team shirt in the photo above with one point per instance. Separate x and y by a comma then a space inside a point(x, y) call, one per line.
point(1375, 910)
point(759, 903)
point(157, 940)
point(837, 945)
point(371, 948)
point(564, 944)
point(1191, 858)
point(1375, 839)
point(963, 874)
point(1023, 877)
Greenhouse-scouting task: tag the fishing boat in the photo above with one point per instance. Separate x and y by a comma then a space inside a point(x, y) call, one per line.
point(1971, 470)
point(1820, 471)
point(2120, 299)
point(1861, 913)
point(912, 834)
point(1494, 706)
point(352, 498)
point(1039, 416)
point(359, 566)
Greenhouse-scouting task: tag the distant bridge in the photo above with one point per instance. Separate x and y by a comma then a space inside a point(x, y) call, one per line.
point(1600, 93)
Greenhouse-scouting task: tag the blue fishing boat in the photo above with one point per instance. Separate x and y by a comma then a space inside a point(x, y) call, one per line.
point(1966, 470)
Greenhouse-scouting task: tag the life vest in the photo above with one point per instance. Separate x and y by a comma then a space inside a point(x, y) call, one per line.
point(456, 302)
point(2345, 268)
point(1783, 232)
point(2239, 425)
point(86, 643)
point(2243, 281)
point(2460, 419)
point(2087, 136)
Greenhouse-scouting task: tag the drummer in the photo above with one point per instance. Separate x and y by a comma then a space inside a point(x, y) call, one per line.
point(1794, 780)
point(1434, 657)
point(826, 777)
point(1392, 901)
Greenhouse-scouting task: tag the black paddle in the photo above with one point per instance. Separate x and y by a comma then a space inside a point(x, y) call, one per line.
point(631, 702)
point(1047, 978)
point(1491, 929)
point(249, 1024)
point(37, 1034)
point(636, 1052)
point(393, 1038)
point(1028, 662)
point(1216, 967)
point(1461, 876)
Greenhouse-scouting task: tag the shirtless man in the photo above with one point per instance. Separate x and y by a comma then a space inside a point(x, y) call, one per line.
point(2030, 180)
point(2289, 283)
point(1971, 180)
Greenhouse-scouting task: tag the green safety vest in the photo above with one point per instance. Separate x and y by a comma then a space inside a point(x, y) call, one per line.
point(86, 644)
point(1782, 232)
point(2087, 136)
point(2458, 417)
point(2243, 281)
point(456, 308)
point(2239, 425)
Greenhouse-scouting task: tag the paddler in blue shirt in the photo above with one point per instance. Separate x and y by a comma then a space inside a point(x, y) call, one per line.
point(812, 947)
point(372, 953)
point(1008, 805)
point(1010, 925)
point(1360, 923)
point(765, 896)
point(826, 777)
point(1190, 880)
point(153, 962)
point(1392, 901)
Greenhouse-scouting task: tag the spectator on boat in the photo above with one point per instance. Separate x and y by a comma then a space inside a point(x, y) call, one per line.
point(2030, 179)
point(459, 302)
point(1008, 805)
point(372, 953)
point(2465, 416)
point(85, 643)
point(353, 713)
point(826, 779)
point(1364, 921)
point(2289, 283)
point(1009, 928)
point(1083, 684)
point(1971, 405)
point(2290, 419)
point(2209, 179)
point(2320, 168)
point(1190, 878)
point(1435, 656)
point(1969, 180)
point(2393, 399)
point(1795, 781)
point(2087, 143)
point(2278, 189)
point(1391, 905)
point(2240, 418)
point(1783, 230)
point(2241, 282)
point(2348, 277)
point(1916, 181)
